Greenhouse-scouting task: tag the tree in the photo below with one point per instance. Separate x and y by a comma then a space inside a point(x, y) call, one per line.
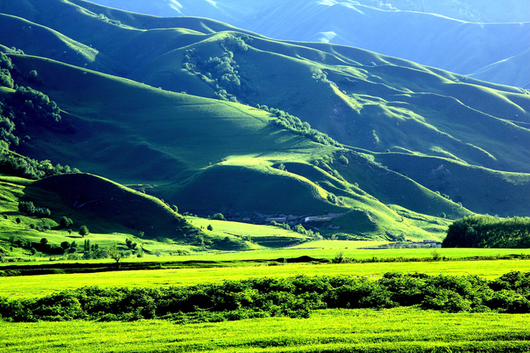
point(344, 160)
point(175, 209)
point(130, 244)
point(65, 245)
point(114, 254)
point(73, 248)
point(210, 228)
point(83, 231)
point(219, 216)
point(65, 222)
point(44, 241)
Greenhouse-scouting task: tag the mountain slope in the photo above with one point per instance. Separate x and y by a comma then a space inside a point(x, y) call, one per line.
point(467, 38)
point(208, 156)
point(353, 89)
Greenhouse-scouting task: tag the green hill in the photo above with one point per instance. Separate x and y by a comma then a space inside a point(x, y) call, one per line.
point(107, 207)
point(217, 155)
point(358, 97)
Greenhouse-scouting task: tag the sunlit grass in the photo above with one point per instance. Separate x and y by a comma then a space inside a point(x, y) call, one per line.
point(401, 329)
point(35, 286)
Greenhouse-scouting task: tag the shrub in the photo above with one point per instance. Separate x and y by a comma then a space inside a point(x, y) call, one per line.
point(83, 231)
point(65, 222)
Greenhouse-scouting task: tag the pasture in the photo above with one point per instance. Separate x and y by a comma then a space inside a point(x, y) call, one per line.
point(402, 329)
point(364, 330)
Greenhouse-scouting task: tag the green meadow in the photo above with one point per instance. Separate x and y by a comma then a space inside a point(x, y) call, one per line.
point(231, 267)
point(388, 330)
point(403, 329)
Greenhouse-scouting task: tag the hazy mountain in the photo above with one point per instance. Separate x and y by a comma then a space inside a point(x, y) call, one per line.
point(467, 37)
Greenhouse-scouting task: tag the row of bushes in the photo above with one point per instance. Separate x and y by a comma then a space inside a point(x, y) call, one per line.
point(265, 297)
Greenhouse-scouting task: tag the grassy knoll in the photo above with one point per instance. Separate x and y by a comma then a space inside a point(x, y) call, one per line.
point(388, 330)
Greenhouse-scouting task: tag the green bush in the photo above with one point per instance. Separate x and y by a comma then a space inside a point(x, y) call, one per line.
point(83, 231)
point(268, 297)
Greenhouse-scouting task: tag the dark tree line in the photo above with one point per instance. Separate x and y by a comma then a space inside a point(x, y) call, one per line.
point(489, 232)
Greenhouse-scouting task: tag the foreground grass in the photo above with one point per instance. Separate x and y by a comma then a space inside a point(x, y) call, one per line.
point(366, 330)
point(36, 286)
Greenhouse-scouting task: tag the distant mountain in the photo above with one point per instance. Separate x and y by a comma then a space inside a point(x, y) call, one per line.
point(469, 38)
point(419, 145)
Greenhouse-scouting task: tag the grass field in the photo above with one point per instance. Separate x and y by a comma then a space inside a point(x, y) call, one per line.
point(405, 329)
point(390, 330)
point(215, 268)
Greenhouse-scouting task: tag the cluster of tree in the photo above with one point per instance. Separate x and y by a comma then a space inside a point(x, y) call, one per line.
point(12, 163)
point(294, 124)
point(28, 208)
point(299, 229)
point(488, 232)
point(29, 106)
point(26, 106)
point(19, 110)
point(6, 66)
point(220, 72)
point(93, 251)
point(266, 297)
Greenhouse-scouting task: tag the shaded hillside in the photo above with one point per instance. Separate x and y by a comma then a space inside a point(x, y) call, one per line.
point(467, 38)
point(108, 207)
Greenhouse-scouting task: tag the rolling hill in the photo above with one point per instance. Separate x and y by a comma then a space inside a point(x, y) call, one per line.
point(139, 91)
point(466, 37)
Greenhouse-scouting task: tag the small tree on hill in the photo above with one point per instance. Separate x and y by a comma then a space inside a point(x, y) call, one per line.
point(65, 222)
point(219, 216)
point(83, 231)
point(114, 254)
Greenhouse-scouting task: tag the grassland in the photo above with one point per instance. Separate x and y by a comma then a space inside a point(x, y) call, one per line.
point(216, 268)
point(390, 330)
point(331, 330)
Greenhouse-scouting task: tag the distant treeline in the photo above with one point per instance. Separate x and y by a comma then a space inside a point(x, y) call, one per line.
point(293, 297)
point(489, 232)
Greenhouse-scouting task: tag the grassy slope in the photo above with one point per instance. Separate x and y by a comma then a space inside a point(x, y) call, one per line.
point(137, 134)
point(198, 153)
point(111, 211)
point(391, 92)
point(284, 75)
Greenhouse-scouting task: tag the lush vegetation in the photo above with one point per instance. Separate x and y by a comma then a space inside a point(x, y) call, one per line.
point(489, 232)
point(268, 297)
point(331, 331)
point(221, 72)
point(21, 111)
point(294, 124)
